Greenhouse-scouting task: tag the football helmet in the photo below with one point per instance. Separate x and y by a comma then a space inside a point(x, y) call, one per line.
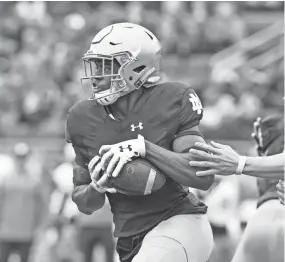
point(266, 131)
point(134, 49)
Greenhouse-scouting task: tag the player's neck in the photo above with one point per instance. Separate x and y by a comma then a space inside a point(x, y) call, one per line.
point(125, 104)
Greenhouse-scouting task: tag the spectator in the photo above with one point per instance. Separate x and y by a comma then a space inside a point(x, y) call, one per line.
point(40, 44)
point(94, 230)
point(20, 207)
point(62, 210)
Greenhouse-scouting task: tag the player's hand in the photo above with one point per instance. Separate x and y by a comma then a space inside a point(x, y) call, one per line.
point(215, 158)
point(114, 157)
point(280, 191)
point(102, 186)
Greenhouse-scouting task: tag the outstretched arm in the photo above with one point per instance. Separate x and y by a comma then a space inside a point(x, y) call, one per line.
point(223, 160)
point(265, 166)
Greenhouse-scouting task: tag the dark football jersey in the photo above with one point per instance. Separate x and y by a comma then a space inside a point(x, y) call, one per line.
point(273, 143)
point(163, 113)
point(267, 190)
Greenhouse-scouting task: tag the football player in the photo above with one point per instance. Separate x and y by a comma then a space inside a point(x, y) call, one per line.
point(131, 112)
point(223, 160)
point(263, 239)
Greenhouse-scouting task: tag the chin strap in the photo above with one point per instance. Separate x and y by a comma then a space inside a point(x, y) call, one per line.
point(154, 80)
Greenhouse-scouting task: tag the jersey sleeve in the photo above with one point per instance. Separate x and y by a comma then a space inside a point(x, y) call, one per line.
point(191, 112)
point(81, 176)
point(79, 158)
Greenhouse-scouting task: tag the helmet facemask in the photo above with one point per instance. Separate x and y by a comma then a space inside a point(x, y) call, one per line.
point(119, 86)
point(258, 136)
point(98, 67)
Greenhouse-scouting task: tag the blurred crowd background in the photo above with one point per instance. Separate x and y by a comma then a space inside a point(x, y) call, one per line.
point(231, 53)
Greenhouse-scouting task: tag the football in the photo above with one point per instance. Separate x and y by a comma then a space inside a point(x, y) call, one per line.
point(138, 177)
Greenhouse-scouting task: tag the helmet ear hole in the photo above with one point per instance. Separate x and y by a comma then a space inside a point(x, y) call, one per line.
point(139, 69)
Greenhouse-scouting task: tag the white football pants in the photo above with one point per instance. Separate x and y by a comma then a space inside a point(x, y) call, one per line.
point(263, 238)
point(182, 238)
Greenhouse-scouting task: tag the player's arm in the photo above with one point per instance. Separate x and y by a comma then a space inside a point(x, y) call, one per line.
point(220, 159)
point(265, 166)
point(84, 195)
point(175, 164)
point(223, 160)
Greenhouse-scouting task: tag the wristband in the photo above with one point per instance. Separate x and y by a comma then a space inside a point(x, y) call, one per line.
point(241, 164)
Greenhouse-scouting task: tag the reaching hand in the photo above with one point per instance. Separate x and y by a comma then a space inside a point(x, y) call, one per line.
point(217, 159)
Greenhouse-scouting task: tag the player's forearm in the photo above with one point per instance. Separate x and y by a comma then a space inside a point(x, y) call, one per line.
point(175, 165)
point(87, 199)
point(265, 167)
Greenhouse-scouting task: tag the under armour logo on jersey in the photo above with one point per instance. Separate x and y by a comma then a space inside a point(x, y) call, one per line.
point(129, 147)
point(196, 103)
point(140, 126)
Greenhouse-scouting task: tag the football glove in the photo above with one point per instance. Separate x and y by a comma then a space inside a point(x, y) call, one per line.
point(114, 157)
point(94, 183)
point(129, 149)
